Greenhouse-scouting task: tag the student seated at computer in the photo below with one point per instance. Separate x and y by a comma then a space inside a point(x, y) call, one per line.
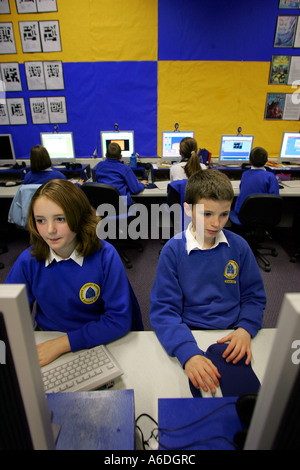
point(256, 180)
point(112, 171)
point(189, 162)
point(72, 275)
point(40, 167)
point(207, 278)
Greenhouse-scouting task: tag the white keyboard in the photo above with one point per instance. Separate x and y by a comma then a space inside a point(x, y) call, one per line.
point(85, 370)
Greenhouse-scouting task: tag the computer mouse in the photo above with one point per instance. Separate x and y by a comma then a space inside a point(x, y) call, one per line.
point(10, 183)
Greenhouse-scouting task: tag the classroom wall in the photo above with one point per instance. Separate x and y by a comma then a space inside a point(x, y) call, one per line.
point(147, 64)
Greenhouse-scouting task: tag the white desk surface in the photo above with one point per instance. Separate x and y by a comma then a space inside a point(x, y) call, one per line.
point(152, 374)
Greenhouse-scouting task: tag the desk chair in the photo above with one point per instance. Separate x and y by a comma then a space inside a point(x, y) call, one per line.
point(204, 157)
point(176, 195)
point(259, 214)
point(99, 193)
point(20, 204)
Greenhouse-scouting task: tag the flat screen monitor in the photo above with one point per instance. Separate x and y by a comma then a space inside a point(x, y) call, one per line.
point(290, 148)
point(171, 141)
point(60, 146)
point(124, 138)
point(275, 424)
point(235, 149)
point(25, 422)
point(7, 153)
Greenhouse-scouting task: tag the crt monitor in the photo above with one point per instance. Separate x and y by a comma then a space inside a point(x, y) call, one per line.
point(290, 148)
point(235, 149)
point(7, 153)
point(124, 138)
point(171, 141)
point(60, 146)
point(275, 423)
point(25, 422)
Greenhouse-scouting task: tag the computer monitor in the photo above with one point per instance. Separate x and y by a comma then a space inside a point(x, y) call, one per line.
point(124, 138)
point(275, 424)
point(7, 153)
point(60, 146)
point(171, 141)
point(290, 148)
point(25, 419)
point(235, 149)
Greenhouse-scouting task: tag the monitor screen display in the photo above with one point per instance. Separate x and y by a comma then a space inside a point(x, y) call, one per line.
point(59, 145)
point(290, 147)
point(235, 149)
point(7, 153)
point(171, 142)
point(124, 138)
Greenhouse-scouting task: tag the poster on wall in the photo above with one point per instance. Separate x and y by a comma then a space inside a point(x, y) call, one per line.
point(4, 7)
point(50, 36)
point(54, 77)
point(289, 4)
point(35, 78)
point(291, 110)
point(285, 31)
point(16, 111)
point(39, 110)
point(30, 36)
point(57, 109)
point(274, 106)
point(283, 106)
point(26, 6)
point(11, 76)
point(7, 39)
point(279, 69)
point(4, 119)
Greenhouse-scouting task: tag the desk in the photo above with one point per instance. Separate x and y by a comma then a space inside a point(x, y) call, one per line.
point(152, 374)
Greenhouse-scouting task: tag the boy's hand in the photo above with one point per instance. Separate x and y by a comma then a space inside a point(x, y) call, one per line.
point(51, 349)
point(202, 372)
point(239, 345)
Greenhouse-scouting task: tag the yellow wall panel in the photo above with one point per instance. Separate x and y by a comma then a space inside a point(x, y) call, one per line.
point(215, 98)
point(95, 30)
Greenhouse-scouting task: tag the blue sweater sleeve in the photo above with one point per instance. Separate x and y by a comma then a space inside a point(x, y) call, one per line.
point(166, 308)
point(132, 182)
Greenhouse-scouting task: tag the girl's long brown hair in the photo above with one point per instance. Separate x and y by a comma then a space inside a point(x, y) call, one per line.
point(80, 216)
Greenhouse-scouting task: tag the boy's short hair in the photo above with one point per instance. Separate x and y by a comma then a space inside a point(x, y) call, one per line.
point(114, 151)
point(258, 157)
point(208, 184)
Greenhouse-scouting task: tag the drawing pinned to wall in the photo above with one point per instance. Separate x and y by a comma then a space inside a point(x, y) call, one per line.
point(11, 76)
point(289, 4)
point(279, 69)
point(7, 39)
point(274, 106)
point(16, 111)
point(35, 78)
point(46, 75)
point(4, 7)
point(285, 31)
point(283, 106)
point(35, 6)
point(50, 36)
point(57, 109)
point(39, 110)
point(4, 119)
point(30, 36)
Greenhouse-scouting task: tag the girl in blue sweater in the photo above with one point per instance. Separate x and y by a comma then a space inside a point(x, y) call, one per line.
point(207, 278)
point(72, 275)
point(40, 167)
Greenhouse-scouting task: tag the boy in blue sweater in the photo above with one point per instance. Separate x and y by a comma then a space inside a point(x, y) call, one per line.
point(112, 171)
point(256, 180)
point(207, 278)
point(72, 275)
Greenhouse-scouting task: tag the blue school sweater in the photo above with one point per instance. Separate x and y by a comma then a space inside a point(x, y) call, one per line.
point(221, 288)
point(119, 175)
point(256, 181)
point(92, 303)
point(41, 177)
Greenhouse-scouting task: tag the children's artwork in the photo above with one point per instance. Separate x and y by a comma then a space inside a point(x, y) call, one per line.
point(50, 36)
point(30, 36)
point(294, 75)
point(285, 31)
point(46, 5)
point(7, 39)
point(39, 110)
point(57, 109)
point(16, 111)
point(291, 110)
point(4, 119)
point(279, 70)
point(53, 71)
point(289, 3)
point(4, 7)
point(11, 76)
point(274, 106)
point(26, 6)
point(35, 78)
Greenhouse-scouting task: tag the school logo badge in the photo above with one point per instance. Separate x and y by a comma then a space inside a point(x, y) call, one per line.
point(89, 293)
point(231, 270)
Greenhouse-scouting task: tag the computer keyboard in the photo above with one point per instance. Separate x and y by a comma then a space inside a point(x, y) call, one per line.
point(85, 370)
